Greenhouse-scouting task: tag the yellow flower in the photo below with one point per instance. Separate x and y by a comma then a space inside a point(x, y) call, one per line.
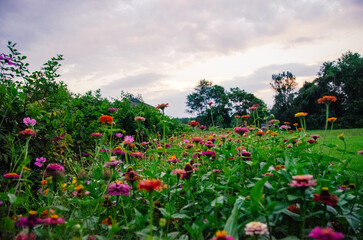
point(301, 114)
point(341, 136)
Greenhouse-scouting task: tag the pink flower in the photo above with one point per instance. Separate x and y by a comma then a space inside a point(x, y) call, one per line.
point(303, 181)
point(256, 228)
point(216, 170)
point(325, 234)
point(209, 153)
point(141, 119)
point(240, 130)
point(11, 175)
point(112, 163)
point(39, 161)
point(209, 103)
point(30, 221)
point(25, 236)
point(30, 121)
point(113, 109)
point(53, 220)
point(54, 170)
point(116, 188)
point(180, 172)
point(96, 134)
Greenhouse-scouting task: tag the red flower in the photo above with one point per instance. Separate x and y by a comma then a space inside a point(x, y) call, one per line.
point(327, 99)
point(193, 123)
point(326, 197)
point(106, 119)
point(150, 185)
point(162, 106)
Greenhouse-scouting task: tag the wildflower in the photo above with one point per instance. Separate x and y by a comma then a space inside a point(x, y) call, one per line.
point(179, 172)
point(113, 109)
point(108, 221)
point(197, 140)
point(97, 134)
point(360, 152)
point(222, 235)
point(300, 114)
point(311, 141)
point(7, 60)
point(39, 161)
point(245, 116)
point(287, 123)
point(30, 221)
point(216, 170)
point(106, 119)
point(236, 116)
point(118, 151)
point(128, 139)
point(256, 228)
point(291, 131)
point(209, 153)
point(150, 185)
point(112, 163)
point(116, 188)
point(202, 127)
point(11, 175)
point(341, 136)
point(332, 119)
point(139, 119)
point(193, 123)
point(267, 174)
point(53, 220)
point(252, 108)
point(315, 136)
point(131, 176)
point(85, 154)
point(173, 159)
point(303, 181)
point(118, 135)
point(28, 131)
point(326, 197)
point(240, 130)
point(279, 167)
point(295, 124)
point(209, 103)
point(327, 99)
point(246, 155)
point(25, 236)
point(283, 127)
point(260, 133)
point(293, 208)
point(30, 121)
point(54, 170)
point(162, 106)
point(325, 234)
point(137, 155)
point(80, 191)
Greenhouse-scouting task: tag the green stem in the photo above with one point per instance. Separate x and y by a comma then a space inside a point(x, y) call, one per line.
point(151, 210)
point(326, 127)
point(303, 212)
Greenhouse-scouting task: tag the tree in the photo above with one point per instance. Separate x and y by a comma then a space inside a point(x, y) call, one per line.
point(242, 100)
point(284, 84)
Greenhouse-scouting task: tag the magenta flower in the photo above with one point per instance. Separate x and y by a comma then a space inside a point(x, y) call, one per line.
point(30, 121)
point(96, 134)
point(129, 139)
point(216, 170)
point(240, 130)
point(54, 170)
point(85, 154)
point(116, 188)
point(209, 103)
point(39, 161)
point(118, 135)
point(11, 175)
point(53, 220)
point(140, 119)
point(30, 221)
point(303, 181)
point(25, 236)
point(360, 152)
point(113, 109)
point(284, 127)
point(112, 163)
point(56, 139)
point(325, 234)
point(209, 153)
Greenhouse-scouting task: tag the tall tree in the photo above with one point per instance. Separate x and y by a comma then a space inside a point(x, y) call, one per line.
point(242, 100)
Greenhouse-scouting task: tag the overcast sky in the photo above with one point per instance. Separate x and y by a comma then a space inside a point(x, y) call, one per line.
point(162, 48)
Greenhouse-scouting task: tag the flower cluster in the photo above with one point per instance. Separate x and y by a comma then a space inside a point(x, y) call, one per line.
point(327, 99)
point(150, 185)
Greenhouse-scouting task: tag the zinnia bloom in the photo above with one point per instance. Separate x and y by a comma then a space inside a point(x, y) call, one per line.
point(332, 119)
point(25, 236)
point(240, 130)
point(53, 220)
point(39, 161)
point(140, 119)
point(54, 170)
point(209, 153)
point(30, 221)
point(11, 175)
point(245, 116)
point(150, 185)
point(193, 123)
point(222, 235)
point(326, 198)
point(162, 106)
point(106, 119)
point(113, 109)
point(116, 188)
point(112, 163)
point(28, 131)
point(180, 172)
point(30, 121)
point(131, 176)
point(325, 234)
point(256, 228)
point(97, 134)
point(300, 114)
point(327, 99)
point(303, 181)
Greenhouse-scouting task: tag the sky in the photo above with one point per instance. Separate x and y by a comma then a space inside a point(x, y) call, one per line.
point(160, 49)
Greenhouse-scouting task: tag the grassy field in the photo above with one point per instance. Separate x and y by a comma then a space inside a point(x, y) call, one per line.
point(354, 141)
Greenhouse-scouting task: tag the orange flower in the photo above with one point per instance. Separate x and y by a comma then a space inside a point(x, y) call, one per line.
point(332, 119)
point(150, 185)
point(327, 99)
point(162, 106)
point(44, 182)
point(301, 114)
point(260, 133)
point(295, 124)
point(286, 123)
point(106, 119)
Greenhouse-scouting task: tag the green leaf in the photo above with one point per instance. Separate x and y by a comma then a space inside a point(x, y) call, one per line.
point(232, 223)
point(179, 216)
point(257, 190)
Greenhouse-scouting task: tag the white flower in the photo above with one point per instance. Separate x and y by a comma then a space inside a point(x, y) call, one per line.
point(256, 228)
